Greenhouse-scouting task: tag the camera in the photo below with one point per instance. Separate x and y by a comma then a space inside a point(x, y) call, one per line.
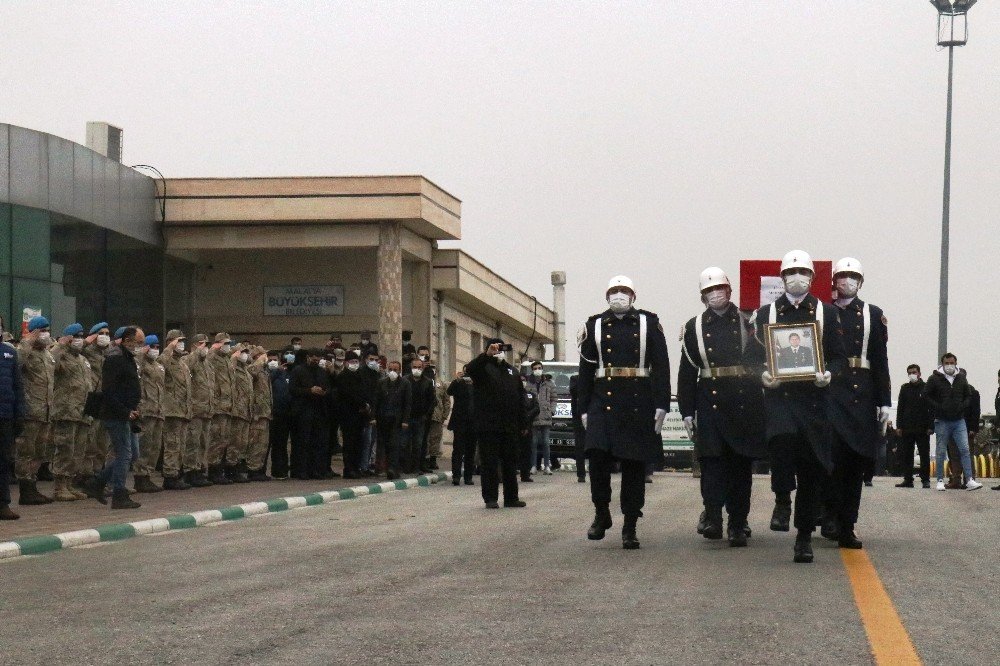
point(505, 348)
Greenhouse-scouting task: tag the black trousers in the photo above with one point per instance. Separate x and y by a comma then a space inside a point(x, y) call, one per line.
point(727, 480)
point(524, 463)
point(498, 454)
point(842, 490)
point(922, 442)
point(388, 440)
point(463, 454)
point(280, 429)
point(6, 457)
point(580, 451)
point(354, 443)
point(794, 455)
point(311, 444)
point(782, 477)
point(633, 492)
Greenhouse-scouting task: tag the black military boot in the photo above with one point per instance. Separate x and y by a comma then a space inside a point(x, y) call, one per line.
point(144, 485)
point(121, 500)
point(847, 538)
point(702, 521)
point(803, 547)
point(217, 476)
point(45, 473)
point(713, 522)
point(432, 462)
point(737, 535)
point(7, 514)
point(237, 473)
point(95, 489)
point(782, 514)
point(830, 529)
point(196, 479)
point(174, 483)
point(602, 523)
point(29, 495)
point(259, 475)
point(629, 539)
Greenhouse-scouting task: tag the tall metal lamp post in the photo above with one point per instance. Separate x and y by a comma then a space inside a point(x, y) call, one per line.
point(953, 30)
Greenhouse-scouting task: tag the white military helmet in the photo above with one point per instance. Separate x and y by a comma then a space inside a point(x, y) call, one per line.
point(848, 265)
point(797, 259)
point(620, 281)
point(713, 276)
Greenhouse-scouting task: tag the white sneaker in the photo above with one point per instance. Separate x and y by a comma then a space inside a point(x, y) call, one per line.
point(940, 485)
point(972, 484)
point(548, 471)
point(533, 470)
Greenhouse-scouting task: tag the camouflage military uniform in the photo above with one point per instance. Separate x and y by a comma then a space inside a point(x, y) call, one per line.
point(260, 425)
point(70, 430)
point(222, 404)
point(34, 446)
point(239, 433)
point(200, 428)
point(442, 408)
point(176, 411)
point(95, 452)
point(151, 416)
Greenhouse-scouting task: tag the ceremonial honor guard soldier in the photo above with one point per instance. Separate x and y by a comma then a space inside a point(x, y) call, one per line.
point(624, 395)
point(798, 431)
point(722, 401)
point(859, 408)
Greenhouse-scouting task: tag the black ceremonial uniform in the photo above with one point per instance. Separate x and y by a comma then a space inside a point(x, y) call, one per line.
point(719, 384)
point(624, 379)
point(798, 431)
point(855, 396)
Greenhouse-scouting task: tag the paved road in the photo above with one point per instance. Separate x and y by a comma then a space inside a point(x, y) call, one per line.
point(429, 576)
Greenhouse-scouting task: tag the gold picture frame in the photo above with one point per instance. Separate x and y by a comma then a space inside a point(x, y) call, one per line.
point(794, 351)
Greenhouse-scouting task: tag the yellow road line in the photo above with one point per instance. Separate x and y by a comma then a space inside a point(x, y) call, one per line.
point(889, 640)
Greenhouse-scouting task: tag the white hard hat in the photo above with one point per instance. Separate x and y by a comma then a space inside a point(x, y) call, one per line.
point(797, 259)
point(713, 276)
point(620, 281)
point(848, 265)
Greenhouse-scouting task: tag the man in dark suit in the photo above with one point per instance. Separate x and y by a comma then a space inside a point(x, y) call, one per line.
point(795, 355)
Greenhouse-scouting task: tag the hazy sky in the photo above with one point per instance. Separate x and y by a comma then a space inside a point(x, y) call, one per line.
point(653, 139)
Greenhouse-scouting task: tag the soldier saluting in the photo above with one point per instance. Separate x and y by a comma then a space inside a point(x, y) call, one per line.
point(717, 386)
point(624, 395)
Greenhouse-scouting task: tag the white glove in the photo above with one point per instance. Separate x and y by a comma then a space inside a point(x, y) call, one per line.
point(658, 420)
point(769, 380)
point(689, 426)
point(883, 414)
point(583, 419)
point(823, 379)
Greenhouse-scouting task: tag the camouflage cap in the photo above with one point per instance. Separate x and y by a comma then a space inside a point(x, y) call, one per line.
point(175, 334)
point(222, 337)
point(200, 337)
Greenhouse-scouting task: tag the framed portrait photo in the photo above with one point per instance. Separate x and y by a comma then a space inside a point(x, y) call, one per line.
point(794, 352)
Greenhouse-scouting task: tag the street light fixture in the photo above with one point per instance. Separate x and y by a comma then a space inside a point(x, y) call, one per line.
point(953, 30)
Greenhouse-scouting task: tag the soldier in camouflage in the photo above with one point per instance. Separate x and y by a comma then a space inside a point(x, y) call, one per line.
point(260, 425)
point(200, 427)
point(176, 409)
point(239, 428)
point(151, 416)
point(96, 450)
point(222, 406)
point(69, 425)
point(34, 446)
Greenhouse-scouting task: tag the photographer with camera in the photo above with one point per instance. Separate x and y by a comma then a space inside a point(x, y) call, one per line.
point(498, 417)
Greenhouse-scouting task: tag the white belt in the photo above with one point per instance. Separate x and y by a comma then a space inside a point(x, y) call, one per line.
point(608, 373)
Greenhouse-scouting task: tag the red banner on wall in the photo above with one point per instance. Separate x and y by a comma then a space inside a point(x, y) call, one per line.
point(760, 282)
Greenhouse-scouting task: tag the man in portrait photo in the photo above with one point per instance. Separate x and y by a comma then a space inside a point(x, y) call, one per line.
point(795, 355)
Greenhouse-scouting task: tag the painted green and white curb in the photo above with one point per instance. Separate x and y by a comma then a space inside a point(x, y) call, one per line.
point(52, 542)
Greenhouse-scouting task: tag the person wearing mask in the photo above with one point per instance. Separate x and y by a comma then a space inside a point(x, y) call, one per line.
point(34, 445)
point(295, 345)
point(796, 413)
point(914, 425)
point(151, 421)
point(421, 407)
point(281, 417)
point(498, 416)
point(972, 415)
point(335, 342)
point(177, 409)
point(526, 454)
point(309, 386)
point(260, 415)
point(947, 392)
point(97, 344)
point(367, 347)
point(435, 428)
point(392, 416)
point(624, 397)
point(200, 426)
point(122, 392)
point(69, 425)
point(333, 363)
point(371, 374)
point(222, 406)
point(408, 348)
point(462, 427)
point(545, 390)
point(239, 429)
point(12, 410)
point(721, 400)
point(579, 433)
point(355, 413)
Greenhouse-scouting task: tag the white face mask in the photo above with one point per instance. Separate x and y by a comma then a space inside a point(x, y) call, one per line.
point(364, 341)
point(103, 340)
point(423, 357)
point(393, 375)
point(77, 343)
point(296, 347)
point(203, 351)
point(272, 365)
point(950, 369)
point(244, 357)
point(322, 363)
point(44, 336)
point(353, 367)
point(417, 372)
point(619, 303)
point(500, 356)
point(227, 349)
point(153, 354)
point(717, 299)
point(914, 378)
point(373, 365)
point(797, 284)
point(180, 346)
point(847, 287)
point(338, 364)
point(537, 373)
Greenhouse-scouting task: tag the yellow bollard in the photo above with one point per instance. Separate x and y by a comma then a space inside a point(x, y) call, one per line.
point(933, 467)
point(979, 467)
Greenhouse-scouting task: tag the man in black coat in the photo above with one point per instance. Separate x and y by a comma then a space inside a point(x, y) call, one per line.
point(498, 416)
point(716, 386)
point(12, 409)
point(421, 407)
point(463, 448)
point(309, 386)
point(531, 411)
point(914, 425)
point(579, 432)
point(624, 390)
point(949, 395)
point(391, 411)
point(795, 355)
point(355, 412)
point(796, 412)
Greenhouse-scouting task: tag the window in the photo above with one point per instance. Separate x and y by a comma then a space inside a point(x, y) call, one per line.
point(30, 243)
point(477, 344)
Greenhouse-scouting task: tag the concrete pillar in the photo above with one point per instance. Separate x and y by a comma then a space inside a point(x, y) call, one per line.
point(559, 309)
point(390, 290)
point(422, 303)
